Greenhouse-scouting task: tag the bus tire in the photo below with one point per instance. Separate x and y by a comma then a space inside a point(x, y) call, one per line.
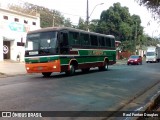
point(104, 67)
point(85, 70)
point(46, 74)
point(71, 70)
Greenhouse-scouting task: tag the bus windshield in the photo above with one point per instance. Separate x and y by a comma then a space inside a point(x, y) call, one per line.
point(150, 54)
point(44, 42)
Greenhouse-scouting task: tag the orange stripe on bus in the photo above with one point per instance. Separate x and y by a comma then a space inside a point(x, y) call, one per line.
point(53, 66)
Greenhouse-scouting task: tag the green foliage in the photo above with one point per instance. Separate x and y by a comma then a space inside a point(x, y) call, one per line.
point(117, 21)
point(93, 25)
point(152, 5)
point(82, 24)
point(67, 23)
point(151, 41)
point(46, 17)
point(127, 46)
point(50, 18)
point(125, 30)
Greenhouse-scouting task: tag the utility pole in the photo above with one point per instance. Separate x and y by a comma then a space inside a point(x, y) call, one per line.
point(53, 21)
point(87, 19)
point(135, 38)
point(54, 16)
point(88, 16)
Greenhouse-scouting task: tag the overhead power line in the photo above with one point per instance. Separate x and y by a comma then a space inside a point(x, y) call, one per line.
point(71, 14)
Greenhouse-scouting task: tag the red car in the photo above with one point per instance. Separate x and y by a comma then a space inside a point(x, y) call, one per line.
point(135, 59)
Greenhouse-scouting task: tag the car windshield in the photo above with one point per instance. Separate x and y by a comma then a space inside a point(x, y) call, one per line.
point(134, 56)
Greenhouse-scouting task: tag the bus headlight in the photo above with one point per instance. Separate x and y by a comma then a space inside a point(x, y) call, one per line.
point(27, 68)
point(54, 66)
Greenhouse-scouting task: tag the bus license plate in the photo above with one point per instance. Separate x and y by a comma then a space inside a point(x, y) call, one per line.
point(33, 53)
point(40, 68)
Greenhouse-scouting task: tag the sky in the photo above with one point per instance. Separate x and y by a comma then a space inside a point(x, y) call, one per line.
point(74, 9)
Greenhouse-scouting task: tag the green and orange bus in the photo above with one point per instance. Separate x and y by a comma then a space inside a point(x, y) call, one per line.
point(62, 49)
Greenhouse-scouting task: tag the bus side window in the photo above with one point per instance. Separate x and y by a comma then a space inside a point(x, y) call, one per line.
point(74, 38)
point(113, 43)
point(101, 41)
point(94, 41)
point(64, 47)
point(85, 39)
point(108, 42)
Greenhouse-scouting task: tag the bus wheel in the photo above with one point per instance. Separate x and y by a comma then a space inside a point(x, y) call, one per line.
point(71, 70)
point(104, 67)
point(46, 74)
point(85, 70)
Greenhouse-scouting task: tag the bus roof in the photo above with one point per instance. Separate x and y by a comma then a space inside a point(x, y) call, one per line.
point(66, 28)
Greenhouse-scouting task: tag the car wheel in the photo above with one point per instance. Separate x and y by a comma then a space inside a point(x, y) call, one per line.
point(104, 67)
point(71, 70)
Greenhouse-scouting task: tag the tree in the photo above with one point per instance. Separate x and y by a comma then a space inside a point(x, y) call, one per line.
point(25, 8)
point(46, 17)
point(50, 17)
point(116, 21)
point(152, 5)
point(93, 25)
point(67, 23)
point(82, 24)
point(137, 31)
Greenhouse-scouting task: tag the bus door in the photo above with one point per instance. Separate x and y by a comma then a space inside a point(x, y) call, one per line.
point(63, 42)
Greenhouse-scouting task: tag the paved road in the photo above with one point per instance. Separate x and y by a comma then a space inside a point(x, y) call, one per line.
point(95, 91)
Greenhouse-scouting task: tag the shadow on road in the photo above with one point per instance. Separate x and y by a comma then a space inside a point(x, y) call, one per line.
point(63, 75)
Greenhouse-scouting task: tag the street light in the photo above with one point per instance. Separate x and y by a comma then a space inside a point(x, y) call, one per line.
point(88, 16)
point(135, 37)
point(94, 8)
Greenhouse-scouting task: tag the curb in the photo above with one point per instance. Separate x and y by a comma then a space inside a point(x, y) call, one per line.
point(7, 75)
point(149, 107)
point(153, 102)
point(141, 107)
point(121, 63)
point(2, 73)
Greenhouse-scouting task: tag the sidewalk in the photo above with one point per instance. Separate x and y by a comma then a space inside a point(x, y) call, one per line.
point(12, 68)
point(121, 62)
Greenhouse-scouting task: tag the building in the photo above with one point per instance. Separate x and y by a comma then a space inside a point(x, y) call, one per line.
point(13, 29)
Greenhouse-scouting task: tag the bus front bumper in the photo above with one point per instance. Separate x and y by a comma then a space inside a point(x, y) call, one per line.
point(53, 66)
